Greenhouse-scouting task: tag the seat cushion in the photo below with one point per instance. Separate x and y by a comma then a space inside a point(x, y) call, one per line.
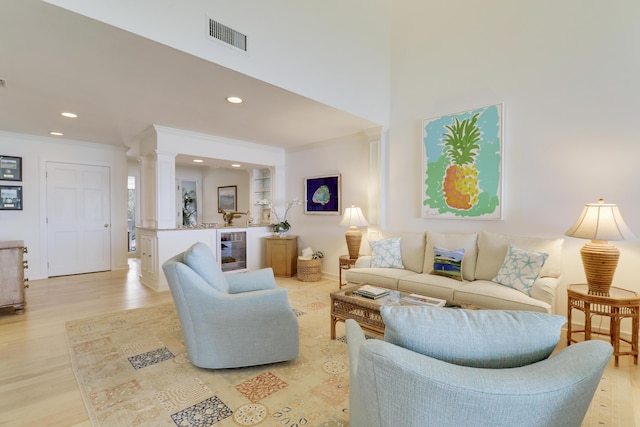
point(491, 295)
point(386, 277)
point(200, 259)
point(429, 285)
point(476, 338)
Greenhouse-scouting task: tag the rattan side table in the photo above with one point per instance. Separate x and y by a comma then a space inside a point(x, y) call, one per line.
point(617, 305)
point(345, 264)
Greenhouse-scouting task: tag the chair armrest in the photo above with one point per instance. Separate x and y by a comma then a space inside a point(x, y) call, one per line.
point(355, 338)
point(431, 392)
point(363, 262)
point(251, 281)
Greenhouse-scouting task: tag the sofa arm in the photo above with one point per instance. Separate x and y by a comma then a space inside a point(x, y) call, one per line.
point(544, 289)
point(363, 262)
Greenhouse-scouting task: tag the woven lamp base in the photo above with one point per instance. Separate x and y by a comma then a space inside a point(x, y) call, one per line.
point(600, 259)
point(354, 238)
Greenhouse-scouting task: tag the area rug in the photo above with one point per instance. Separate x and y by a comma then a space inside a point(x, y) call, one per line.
point(132, 369)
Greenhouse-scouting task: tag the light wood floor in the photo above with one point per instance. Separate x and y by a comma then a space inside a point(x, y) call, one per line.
point(37, 385)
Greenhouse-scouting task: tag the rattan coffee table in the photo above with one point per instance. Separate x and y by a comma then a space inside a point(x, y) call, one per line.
point(347, 305)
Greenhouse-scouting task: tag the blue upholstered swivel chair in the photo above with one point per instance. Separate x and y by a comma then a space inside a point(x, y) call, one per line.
point(230, 320)
point(469, 369)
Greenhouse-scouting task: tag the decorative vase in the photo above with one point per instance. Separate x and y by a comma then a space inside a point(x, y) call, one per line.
point(282, 232)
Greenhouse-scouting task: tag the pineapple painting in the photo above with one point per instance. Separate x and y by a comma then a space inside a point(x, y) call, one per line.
point(460, 185)
point(462, 159)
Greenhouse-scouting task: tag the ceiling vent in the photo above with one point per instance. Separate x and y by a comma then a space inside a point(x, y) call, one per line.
point(227, 35)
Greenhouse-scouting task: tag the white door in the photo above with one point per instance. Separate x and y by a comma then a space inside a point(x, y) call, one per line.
point(78, 219)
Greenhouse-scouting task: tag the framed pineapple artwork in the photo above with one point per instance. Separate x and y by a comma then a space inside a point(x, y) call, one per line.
point(462, 165)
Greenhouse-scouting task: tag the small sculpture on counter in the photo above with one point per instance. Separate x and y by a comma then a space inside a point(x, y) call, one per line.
point(229, 216)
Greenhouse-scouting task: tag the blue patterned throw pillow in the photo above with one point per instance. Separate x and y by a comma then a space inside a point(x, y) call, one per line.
point(386, 253)
point(520, 269)
point(447, 263)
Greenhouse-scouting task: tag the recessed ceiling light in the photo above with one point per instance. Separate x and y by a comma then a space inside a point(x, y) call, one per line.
point(235, 165)
point(70, 115)
point(234, 99)
point(54, 133)
point(198, 160)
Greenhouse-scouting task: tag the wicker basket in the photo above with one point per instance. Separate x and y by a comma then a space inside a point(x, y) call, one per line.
point(309, 270)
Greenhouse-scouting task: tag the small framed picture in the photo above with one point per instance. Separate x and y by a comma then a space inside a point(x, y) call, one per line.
point(322, 195)
point(11, 197)
point(10, 168)
point(227, 198)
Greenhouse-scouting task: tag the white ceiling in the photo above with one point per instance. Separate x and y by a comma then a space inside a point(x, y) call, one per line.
point(120, 84)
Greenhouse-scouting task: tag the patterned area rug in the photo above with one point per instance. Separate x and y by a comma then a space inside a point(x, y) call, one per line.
point(132, 369)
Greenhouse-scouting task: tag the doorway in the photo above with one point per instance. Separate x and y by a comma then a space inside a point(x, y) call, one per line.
point(78, 219)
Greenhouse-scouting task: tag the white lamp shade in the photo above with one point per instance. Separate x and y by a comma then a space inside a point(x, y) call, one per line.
point(353, 217)
point(600, 221)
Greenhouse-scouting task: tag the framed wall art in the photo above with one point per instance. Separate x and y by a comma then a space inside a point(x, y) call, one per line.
point(228, 198)
point(462, 165)
point(322, 195)
point(10, 168)
point(11, 197)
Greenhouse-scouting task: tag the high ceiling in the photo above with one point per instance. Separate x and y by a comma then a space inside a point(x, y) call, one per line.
point(120, 84)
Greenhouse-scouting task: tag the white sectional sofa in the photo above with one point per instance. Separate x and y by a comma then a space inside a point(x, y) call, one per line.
point(483, 258)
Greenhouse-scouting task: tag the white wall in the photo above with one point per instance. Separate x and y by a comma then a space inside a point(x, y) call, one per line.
point(222, 177)
point(29, 224)
point(567, 73)
point(322, 50)
point(347, 156)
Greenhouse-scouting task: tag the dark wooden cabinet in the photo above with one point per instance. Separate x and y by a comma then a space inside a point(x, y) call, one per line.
point(12, 280)
point(282, 255)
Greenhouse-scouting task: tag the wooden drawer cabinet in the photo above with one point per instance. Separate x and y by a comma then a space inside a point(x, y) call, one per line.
point(282, 255)
point(12, 280)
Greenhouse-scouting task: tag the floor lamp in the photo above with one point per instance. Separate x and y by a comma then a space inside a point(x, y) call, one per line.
point(353, 218)
point(600, 222)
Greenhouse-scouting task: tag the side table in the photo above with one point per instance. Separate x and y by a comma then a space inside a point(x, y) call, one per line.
point(282, 255)
point(618, 304)
point(345, 264)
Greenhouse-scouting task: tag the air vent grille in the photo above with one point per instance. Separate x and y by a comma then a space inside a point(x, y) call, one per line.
point(227, 35)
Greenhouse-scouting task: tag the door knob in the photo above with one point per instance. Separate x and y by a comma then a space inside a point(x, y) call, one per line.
point(106, 226)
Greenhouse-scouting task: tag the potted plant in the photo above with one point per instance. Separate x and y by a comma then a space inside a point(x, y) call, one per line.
point(281, 224)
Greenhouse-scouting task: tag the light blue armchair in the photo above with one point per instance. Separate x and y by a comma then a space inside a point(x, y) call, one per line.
point(394, 386)
point(230, 320)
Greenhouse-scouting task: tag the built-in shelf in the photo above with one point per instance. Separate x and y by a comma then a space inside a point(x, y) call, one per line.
point(261, 190)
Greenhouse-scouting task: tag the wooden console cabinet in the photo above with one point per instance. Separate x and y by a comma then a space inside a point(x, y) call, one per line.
point(282, 255)
point(12, 280)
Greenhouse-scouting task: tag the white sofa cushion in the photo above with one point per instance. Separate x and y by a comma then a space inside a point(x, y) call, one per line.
point(491, 295)
point(412, 249)
point(386, 277)
point(492, 249)
point(454, 241)
point(477, 338)
point(430, 285)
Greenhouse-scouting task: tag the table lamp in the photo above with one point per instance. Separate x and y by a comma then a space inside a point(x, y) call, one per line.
point(600, 222)
point(353, 218)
